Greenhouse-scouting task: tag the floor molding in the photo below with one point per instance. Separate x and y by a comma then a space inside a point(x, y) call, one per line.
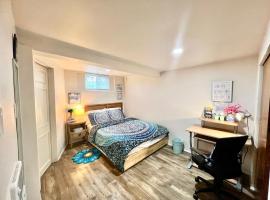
point(45, 167)
point(61, 153)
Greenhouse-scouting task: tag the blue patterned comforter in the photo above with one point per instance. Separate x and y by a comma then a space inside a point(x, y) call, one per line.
point(117, 138)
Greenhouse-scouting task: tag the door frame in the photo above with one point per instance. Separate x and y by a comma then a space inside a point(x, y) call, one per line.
point(17, 114)
point(267, 161)
point(264, 150)
point(17, 108)
point(52, 110)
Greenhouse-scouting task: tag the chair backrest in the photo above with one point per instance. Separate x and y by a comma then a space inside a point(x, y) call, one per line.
point(227, 149)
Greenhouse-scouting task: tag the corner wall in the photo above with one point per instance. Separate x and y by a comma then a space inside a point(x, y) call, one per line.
point(265, 48)
point(8, 140)
point(176, 99)
point(28, 122)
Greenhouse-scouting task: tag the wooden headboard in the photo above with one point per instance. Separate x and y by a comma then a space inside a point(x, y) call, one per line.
point(103, 106)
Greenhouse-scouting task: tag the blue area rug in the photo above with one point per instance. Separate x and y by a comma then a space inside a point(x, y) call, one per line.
point(86, 156)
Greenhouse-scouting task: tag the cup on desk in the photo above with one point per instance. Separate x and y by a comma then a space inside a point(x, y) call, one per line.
point(222, 118)
point(216, 117)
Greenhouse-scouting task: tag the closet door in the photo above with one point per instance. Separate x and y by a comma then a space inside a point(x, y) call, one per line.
point(263, 161)
point(42, 118)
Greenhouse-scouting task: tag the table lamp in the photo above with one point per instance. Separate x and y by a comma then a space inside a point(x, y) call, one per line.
point(70, 118)
point(78, 110)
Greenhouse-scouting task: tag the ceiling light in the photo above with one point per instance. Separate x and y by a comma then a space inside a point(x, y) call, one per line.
point(108, 70)
point(177, 51)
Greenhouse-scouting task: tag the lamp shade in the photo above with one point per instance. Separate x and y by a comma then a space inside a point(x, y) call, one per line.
point(78, 110)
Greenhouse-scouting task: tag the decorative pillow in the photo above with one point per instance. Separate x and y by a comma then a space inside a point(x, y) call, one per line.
point(116, 114)
point(99, 117)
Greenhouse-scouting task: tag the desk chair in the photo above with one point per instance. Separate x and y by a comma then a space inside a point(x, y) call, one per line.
point(223, 163)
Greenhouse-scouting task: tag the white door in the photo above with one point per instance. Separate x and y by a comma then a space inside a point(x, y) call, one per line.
point(42, 118)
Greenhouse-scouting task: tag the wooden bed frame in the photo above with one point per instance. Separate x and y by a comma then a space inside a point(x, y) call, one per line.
point(138, 156)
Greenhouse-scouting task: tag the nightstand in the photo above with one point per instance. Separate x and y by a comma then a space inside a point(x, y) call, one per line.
point(76, 132)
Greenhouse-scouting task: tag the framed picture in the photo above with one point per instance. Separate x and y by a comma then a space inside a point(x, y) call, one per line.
point(74, 98)
point(119, 91)
point(222, 91)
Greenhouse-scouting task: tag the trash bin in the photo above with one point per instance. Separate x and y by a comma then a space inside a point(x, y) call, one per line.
point(178, 146)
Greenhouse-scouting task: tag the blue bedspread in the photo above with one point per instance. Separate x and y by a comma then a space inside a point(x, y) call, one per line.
point(117, 138)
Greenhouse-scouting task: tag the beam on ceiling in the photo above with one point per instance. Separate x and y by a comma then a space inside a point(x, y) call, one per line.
point(53, 46)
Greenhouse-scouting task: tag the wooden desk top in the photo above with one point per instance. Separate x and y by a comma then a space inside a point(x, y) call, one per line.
point(211, 132)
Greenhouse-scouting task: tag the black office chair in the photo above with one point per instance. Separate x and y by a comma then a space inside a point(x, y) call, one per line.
point(223, 163)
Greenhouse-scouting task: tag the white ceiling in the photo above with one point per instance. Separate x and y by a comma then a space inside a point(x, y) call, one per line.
point(147, 31)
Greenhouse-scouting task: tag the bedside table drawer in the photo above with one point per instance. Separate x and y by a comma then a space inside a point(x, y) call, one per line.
point(77, 136)
point(76, 132)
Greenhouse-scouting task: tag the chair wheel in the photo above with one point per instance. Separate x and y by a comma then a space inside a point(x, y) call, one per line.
point(195, 196)
point(197, 179)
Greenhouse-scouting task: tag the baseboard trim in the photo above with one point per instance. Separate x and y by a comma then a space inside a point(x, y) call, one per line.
point(61, 153)
point(43, 169)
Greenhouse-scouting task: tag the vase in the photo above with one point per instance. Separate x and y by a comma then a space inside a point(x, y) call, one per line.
point(230, 118)
point(239, 117)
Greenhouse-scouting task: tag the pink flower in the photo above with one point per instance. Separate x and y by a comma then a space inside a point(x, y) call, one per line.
point(232, 109)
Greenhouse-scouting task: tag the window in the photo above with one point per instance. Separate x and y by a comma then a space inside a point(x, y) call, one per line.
point(97, 82)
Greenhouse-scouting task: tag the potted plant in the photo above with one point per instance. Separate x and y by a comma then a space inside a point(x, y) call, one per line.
point(230, 112)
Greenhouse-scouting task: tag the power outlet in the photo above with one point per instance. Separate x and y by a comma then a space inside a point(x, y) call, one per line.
point(1, 122)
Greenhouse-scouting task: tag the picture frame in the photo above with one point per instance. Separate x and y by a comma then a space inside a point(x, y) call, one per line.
point(119, 91)
point(222, 91)
point(74, 98)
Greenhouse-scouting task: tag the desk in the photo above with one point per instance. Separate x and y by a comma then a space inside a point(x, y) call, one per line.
point(213, 134)
point(207, 132)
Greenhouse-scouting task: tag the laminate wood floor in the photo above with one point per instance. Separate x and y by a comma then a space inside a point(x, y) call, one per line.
point(162, 175)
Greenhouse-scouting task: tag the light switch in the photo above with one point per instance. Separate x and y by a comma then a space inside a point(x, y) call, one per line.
point(1, 122)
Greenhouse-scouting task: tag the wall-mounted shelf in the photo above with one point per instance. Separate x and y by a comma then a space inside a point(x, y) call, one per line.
point(226, 123)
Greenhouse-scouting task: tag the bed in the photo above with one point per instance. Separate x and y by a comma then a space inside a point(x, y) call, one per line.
point(125, 141)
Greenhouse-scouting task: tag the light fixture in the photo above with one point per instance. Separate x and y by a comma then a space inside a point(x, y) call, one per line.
point(108, 70)
point(177, 51)
point(78, 110)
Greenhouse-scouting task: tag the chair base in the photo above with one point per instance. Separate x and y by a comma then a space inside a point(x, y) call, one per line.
point(215, 188)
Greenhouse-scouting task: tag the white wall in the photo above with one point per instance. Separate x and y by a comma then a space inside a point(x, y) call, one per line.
point(265, 45)
point(28, 121)
point(74, 82)
point(8, 141)
point(176, 99)
point(60, 109)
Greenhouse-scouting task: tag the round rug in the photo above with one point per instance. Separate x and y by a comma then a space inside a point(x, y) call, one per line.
point(86, 156)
